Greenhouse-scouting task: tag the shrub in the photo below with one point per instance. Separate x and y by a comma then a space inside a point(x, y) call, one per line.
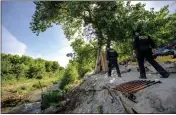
point(70, 75)
point(39, 76)
point(13, 90)
point(35, 71)
point(23, 88)
point(51, 99)
point(55, 66)
point(36, 86)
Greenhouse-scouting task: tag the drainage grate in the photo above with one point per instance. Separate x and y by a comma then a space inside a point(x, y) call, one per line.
point(134, 86)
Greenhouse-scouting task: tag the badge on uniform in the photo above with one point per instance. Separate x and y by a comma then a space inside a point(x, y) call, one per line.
point(111, 50)
point(143, 37)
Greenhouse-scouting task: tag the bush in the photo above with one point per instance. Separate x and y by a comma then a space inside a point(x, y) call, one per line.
point(36, 86)
point(8, 78)
point(51, 99)
point(48, 65)
point(35, 71)
point(14, 66)
point(13, 90)
point(39, 77)
point(23, 88)
point(19, 70)
point(55, 66)
point(70, 75)
point(55, 82)
point(83, 71)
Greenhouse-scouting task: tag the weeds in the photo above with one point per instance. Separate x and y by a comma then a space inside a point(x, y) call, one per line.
point(51, 99)
point(100, 109)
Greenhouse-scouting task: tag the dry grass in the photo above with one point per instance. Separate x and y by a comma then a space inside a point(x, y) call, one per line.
point(25, 86)
point(161, 59)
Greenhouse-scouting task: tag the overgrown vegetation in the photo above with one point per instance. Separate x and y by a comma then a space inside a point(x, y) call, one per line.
point(100, 22)
point(21, 74)
point(52, 99)
point(15, 67)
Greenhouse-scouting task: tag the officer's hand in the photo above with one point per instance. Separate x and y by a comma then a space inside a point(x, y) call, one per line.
point(153, 50)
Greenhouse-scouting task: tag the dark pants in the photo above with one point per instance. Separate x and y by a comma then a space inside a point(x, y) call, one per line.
point(111, 64)
point(148, 56)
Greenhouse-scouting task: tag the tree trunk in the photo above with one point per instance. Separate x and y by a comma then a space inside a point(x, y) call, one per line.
point(100, 41)
point(98, 64)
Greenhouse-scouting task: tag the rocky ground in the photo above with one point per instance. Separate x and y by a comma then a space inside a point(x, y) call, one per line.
point(92, 96)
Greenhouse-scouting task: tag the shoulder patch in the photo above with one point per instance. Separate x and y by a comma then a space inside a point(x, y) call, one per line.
point(143, 37)
point(111, 50)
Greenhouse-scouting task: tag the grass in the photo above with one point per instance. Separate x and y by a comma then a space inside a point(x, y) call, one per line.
point(160, 59)
point(164, 59)
point(25, 86)
point(51, 99)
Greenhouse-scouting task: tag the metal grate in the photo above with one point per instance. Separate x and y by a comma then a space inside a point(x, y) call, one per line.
point(134, 86)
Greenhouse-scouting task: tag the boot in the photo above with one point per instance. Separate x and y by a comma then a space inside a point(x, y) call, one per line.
point(165, 75)
point(142, 77)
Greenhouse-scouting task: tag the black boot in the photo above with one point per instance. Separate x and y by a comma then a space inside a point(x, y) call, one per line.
point(165, 75)
point(142, 77)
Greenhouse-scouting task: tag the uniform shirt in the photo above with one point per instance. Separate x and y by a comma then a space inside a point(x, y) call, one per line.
point(143, 42)
point(111, 54)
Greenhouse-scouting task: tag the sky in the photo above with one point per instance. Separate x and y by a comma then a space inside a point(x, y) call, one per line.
point(17, 38)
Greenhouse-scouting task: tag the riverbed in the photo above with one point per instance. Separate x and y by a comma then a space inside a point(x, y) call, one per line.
point(33, 104)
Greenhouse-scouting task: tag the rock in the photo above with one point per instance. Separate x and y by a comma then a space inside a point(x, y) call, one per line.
point(27, 108)
point(159, 98)
point(50, 110)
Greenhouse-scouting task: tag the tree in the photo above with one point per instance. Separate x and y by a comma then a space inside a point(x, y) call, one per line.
point(55, 66)
point(19, 70)
point(48, 65)
point(105, 21)
point(14, 66)
point(70, 75)
point(85, 55)
point(71, 15)
point(35, 71)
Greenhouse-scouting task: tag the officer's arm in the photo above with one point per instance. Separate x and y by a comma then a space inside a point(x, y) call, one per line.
point(152, 43)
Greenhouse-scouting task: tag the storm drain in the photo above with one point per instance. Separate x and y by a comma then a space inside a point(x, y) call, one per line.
point(127, 90)
point(134, 86)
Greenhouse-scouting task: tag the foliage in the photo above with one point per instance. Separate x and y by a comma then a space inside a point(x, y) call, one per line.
point(16, 67)
point(48, 65)
point(105, 21)
point(19, 70)
point(55, 66)
point(70, 75)
point(85, 55)
point(51, 98)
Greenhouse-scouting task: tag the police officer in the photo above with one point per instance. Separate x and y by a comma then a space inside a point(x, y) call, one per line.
point(143, 45)
point(111, 56)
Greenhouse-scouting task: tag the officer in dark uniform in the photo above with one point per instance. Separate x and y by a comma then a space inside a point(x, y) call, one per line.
point(111, 56)
point(143, 45)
